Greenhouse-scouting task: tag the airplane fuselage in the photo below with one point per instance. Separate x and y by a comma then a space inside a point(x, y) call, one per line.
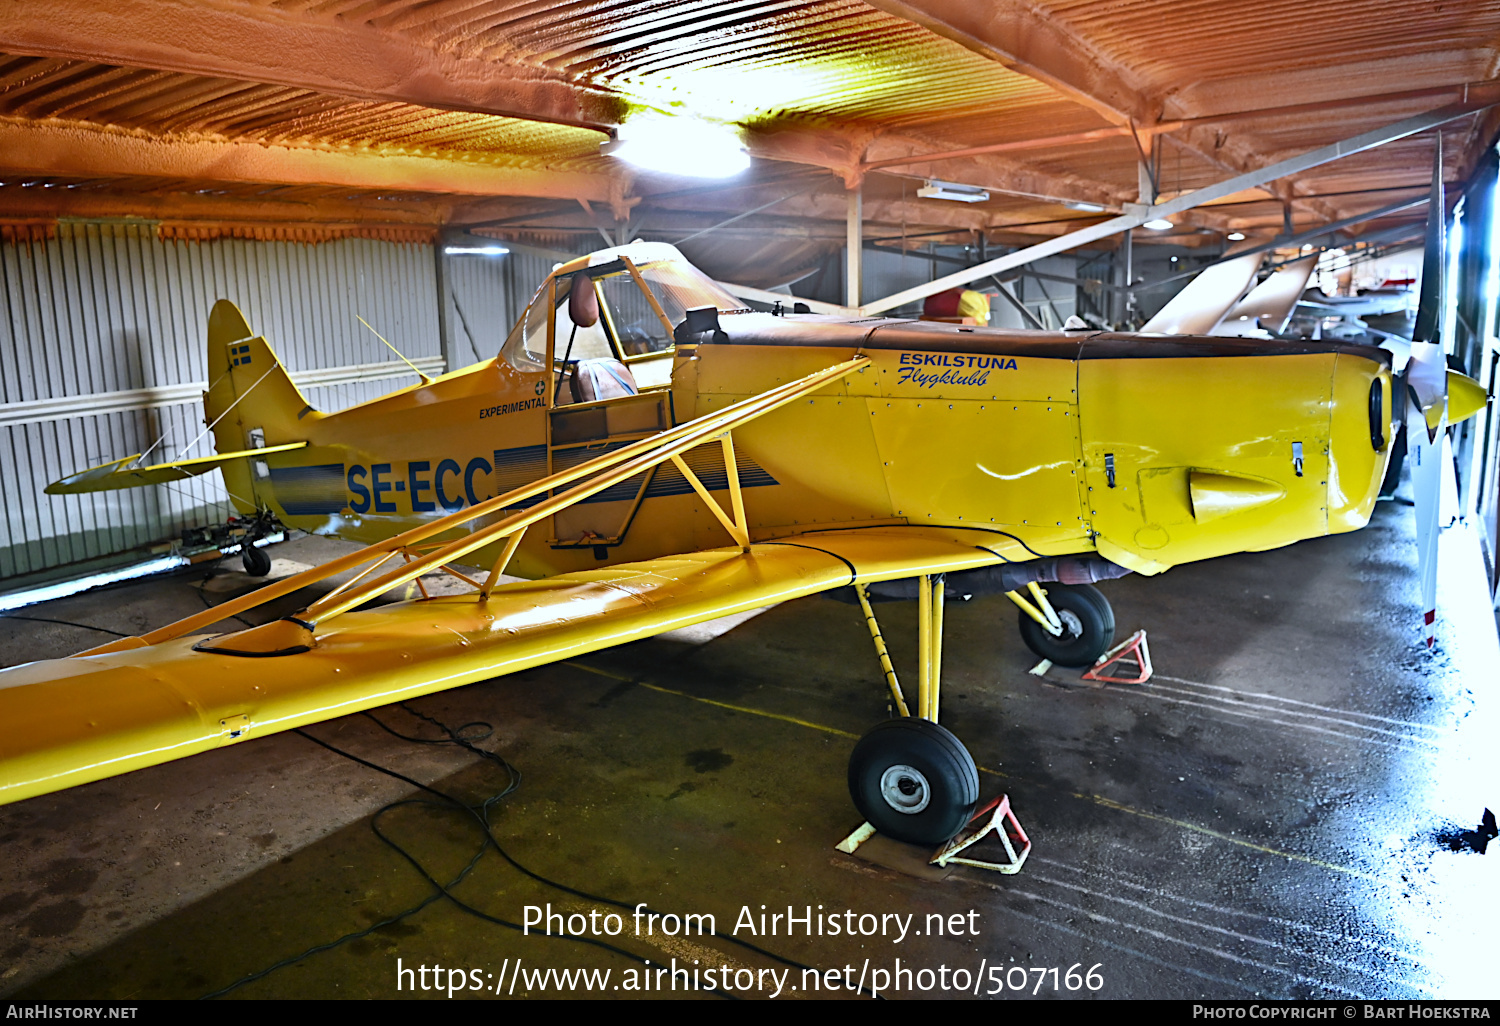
point(1151, 451)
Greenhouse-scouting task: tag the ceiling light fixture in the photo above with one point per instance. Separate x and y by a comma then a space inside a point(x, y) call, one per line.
point(1235, 236)
point(475, 250)
point(935, 189)
point(1161, 224)
point(1087, 208)
point(683, 146)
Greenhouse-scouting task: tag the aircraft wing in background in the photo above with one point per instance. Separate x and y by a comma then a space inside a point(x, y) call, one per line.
point(1269, 305)
point(1206, 300)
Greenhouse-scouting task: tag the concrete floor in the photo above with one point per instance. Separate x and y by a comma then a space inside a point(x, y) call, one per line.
point(1269, 816)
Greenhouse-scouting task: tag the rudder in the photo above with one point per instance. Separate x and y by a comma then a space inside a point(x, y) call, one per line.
point(251, 400)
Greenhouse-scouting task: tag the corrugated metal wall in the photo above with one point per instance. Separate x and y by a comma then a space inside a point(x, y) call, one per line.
point(105, 308)
point(487, 295)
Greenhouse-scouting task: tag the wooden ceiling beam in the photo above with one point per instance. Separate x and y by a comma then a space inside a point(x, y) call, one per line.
point(125, 198)
point(997, 172)
point(264, 43)
point(1026, 38)
point(80, 150)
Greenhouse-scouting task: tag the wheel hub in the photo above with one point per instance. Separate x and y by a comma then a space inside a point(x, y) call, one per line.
point(905, 789)
point(1072, 626)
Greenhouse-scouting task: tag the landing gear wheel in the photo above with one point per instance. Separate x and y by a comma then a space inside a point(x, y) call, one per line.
point(1088, 626)
point(914, 781)
point(257, 562)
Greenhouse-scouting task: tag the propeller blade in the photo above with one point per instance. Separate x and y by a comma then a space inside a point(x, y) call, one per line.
point(1427, 370)
point(1430, 298)
point(1426, 383)
point(1424, 460)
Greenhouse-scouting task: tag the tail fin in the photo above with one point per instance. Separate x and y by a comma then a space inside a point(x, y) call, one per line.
point(251, 400)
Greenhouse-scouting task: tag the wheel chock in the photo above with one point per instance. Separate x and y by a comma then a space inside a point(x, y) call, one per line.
point(850, 844)
point(996, 816)
point(1134, 649)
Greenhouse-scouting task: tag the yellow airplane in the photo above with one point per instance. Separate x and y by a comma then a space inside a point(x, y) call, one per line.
point(649, 455)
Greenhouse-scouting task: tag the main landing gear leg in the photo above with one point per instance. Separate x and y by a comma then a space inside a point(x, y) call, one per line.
point(910, 778)
point(1070, 624)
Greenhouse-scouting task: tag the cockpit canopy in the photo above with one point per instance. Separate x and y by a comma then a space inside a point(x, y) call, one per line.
point(643, 292)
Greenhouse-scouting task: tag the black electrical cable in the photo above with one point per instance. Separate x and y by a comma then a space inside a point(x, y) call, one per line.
point(480, 814)
point(209, 605)
point(106, 630)
point(65, 623)
point(546, 881)
point(129, 581)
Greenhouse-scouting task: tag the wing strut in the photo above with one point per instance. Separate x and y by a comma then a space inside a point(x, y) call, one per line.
point(738, 529)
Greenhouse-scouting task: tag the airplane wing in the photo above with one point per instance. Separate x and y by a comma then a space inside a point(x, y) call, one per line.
point(120, 473)
point(174, 691)
point(65, 722)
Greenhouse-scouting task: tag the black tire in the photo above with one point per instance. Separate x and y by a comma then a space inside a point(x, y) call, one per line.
point(914, 781)
point(1088, 626)
point(257, 562)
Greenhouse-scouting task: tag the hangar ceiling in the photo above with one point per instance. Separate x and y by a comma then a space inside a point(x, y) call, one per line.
point(371, 117)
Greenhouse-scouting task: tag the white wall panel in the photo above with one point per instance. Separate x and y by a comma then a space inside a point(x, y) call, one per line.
point(492, 293)
point(111, 308)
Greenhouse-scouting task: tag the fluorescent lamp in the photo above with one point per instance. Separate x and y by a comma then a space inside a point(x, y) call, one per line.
point(1087, 208)
point(683, 146)
point(1235, 236)
point(62, 589)
point(935, 189)
point(1161, 224)
point(475, 250)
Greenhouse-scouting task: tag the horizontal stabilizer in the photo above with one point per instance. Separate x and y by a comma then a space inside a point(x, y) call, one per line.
point(122, 473)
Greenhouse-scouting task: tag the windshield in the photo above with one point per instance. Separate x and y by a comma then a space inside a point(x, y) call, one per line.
point(679, 287)
point(637, 326)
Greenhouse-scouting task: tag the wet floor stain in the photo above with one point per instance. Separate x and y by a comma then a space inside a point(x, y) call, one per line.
point(17, 901)
point(67, 876)
point(624, 687)
point(56, 920)
point(708, 760)
point(1457, 839)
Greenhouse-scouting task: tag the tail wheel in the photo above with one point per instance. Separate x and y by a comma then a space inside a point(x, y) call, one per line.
point(913, 780)
point(1088, 625)
point(257, 561)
